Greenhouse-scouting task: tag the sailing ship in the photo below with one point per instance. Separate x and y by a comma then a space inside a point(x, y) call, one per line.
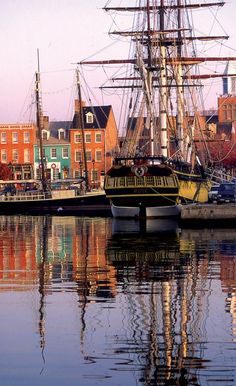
point(159, 165)
point(71, 197)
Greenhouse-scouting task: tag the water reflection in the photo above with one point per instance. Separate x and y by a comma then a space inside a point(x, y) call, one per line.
point(160, 226)
point(128, 302)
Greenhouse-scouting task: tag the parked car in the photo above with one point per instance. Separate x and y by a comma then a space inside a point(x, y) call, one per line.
point(213, 193)
point(226, 192)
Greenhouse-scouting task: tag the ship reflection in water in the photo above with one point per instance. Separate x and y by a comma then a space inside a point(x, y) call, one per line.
point(93, 301)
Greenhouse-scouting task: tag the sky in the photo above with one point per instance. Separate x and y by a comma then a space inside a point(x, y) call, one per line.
point(65, 32)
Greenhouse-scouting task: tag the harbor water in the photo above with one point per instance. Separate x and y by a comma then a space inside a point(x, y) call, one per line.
point(100, 301)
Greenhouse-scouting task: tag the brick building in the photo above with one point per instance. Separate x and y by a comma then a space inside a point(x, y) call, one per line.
point(62, 146)
point(227, 103)
point(100, 142)
point(17, 148)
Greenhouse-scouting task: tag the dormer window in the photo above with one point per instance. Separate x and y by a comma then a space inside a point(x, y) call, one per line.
point(89, 117)
point(45, 135)
point(61, 134)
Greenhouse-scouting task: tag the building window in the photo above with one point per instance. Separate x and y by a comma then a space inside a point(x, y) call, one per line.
point(98, 155)
point(98, 137)
point(88, 138)
point(15, 155)
point(15, 137)
point(26, 137)
point(26, 155)
point(78, 156)
point(61, 134)
point(224, 112)
point(53, 152)
point(55, 174)
point(3, 137)
point(89, 155)
point(76, 174)
point(65, 152)
point(89, 118)
point(94, 175)
point(43, 153)
point(45, 135)
point(77, 138)
point(229, 113)
point(3, 155)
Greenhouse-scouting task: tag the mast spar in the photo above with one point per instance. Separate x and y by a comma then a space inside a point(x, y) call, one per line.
point(39, 123)
point(164, 116)
point(179, 90)
point(81, 124)
point(166, 70)
point(163, 84)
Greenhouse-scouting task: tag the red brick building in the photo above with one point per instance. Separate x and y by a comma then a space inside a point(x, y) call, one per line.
point(227, 108)
point(19, 144)
point(17, 148)
point(100, 142)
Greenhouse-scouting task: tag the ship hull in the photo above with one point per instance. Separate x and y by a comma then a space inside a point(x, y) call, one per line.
point(143, 190)
point(91, 204)
point(146, 212)
point(142, 187)
point(193, 188)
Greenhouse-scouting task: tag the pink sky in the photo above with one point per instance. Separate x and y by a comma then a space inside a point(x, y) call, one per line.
point(65, 31)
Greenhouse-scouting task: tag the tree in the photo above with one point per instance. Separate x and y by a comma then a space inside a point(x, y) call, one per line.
point(223, 153)
point(5, 172)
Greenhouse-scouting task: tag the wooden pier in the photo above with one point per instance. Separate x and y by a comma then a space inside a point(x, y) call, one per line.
point(209, 213)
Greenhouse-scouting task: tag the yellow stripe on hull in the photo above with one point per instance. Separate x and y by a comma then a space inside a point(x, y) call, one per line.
point(142, 195)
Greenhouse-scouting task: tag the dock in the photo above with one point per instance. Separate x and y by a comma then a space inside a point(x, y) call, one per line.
point(209, 213)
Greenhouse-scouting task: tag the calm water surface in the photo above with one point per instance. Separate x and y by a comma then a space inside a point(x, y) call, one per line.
point(96, 301)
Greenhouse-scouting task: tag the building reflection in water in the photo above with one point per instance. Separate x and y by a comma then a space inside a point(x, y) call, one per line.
point(156, 279)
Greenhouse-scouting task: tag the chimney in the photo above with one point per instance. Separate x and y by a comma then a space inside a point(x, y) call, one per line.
point(45, 122)
point(77, 105)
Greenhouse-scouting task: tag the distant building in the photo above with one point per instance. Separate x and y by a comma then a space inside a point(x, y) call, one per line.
point(227, 108)
point(62, 146)
point(227, 102)
point(100, 142)
point(56, 150)
point(17, 149)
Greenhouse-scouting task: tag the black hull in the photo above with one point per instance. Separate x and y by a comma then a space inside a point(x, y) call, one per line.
point(91, 205)
point(145, 197)
point(145, 202)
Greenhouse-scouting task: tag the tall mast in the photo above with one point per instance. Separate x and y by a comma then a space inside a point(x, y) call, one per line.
point(150, 101)
point(39, 123)
point(81, 124)
point(180, 91)
point(163, 85)
point(155, 70)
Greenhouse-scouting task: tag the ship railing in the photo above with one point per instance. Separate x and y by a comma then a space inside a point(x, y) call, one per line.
point(219, 176)
point(142, 181)
point(25, 196)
